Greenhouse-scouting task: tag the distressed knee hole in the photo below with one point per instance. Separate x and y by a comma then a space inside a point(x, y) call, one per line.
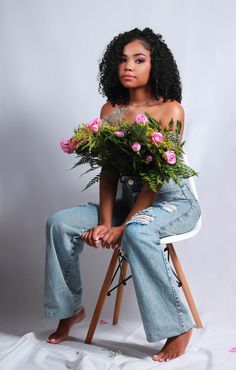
point(169, 207)
point(142, 217)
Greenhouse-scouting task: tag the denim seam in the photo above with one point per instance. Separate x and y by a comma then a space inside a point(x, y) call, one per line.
point(178, 219)
point(68, 271)
point(67, 274)
point(174, 292)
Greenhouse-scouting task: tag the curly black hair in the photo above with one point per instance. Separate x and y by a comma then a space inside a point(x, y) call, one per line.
point(164, 76)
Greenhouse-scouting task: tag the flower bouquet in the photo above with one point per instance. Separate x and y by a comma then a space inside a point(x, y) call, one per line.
point(141, 148)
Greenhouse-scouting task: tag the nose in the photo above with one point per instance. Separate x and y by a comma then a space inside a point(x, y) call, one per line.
point(129, 66)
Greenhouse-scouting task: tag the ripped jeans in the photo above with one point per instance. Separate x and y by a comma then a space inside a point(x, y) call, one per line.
point(174, 211)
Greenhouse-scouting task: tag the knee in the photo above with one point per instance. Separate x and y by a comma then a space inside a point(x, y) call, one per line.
point(54, 222)
point(134, 236)
point(131, 232)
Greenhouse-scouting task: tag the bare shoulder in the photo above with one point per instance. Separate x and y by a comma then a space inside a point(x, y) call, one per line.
point(172, 110)
point(175, 107)
point(106, 109)
point(169, 110)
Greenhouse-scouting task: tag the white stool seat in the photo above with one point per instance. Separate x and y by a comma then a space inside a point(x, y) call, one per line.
point(178, 238)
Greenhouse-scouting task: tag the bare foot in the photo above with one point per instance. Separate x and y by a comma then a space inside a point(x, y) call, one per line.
point(174, 347)
point(64, 327)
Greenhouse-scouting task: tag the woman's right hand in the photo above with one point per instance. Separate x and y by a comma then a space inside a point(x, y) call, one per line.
point(94, 235)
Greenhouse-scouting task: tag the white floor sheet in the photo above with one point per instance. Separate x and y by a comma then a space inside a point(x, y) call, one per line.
point(123, 346)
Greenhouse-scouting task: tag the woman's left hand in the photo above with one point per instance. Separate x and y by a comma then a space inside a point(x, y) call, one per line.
point(112, 237)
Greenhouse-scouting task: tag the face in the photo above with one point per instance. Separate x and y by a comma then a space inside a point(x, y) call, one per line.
point(135, 66)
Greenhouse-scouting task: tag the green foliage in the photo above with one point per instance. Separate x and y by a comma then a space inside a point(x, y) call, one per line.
point(92, 182)
point(106, 149)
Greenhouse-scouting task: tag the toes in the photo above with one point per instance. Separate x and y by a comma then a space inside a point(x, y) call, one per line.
point(54, 339)
point(169, 357)
point(158, 357)
point(166, 357)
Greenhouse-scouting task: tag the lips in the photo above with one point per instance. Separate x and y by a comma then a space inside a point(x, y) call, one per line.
point(128, 77)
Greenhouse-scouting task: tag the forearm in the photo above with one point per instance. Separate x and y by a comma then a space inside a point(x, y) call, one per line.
point(107, 195)
point(144, 200)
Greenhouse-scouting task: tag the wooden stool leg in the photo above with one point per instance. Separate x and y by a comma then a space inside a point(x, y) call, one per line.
point(186, 290)
point(102, 297)
point(120, 291)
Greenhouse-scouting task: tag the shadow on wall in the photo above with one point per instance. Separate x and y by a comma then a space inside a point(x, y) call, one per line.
point(31, 188)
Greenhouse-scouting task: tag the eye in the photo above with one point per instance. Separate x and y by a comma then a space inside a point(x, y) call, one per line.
point(139, 61)
point(122, 60)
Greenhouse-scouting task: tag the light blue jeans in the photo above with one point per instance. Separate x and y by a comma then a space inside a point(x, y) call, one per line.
point(174, 211)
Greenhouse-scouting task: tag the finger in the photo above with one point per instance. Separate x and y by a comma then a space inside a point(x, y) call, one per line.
point(95, 233)
point(95, 237)
point(97, 243)
point(105, 237)
point(99, 231)
point(106, 233)
point(106, 243)
point(85, 237)
point(112, 239)
point(90, 238)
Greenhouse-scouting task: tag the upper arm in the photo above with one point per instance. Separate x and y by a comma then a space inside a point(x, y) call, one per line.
point(106, 109)
point(175, 111)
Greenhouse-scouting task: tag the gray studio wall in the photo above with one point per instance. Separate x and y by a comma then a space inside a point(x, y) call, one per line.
point(49, 62)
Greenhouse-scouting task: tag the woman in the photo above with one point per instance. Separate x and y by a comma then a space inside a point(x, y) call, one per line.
point(138, 74)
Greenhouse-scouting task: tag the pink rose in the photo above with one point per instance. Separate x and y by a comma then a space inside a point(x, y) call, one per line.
point(95, 124)
point(119, 133)
point(141, 118)
point(136, 147)
point(149, 158)
point(68, 145)
point(170, 157)
point(156, 137)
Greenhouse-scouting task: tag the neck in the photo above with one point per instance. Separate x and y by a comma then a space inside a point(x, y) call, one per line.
point(140, 96)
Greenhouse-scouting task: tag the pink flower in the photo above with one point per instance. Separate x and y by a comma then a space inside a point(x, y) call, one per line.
point(68, 145)
point(136, 147)
point(157, 137)
point(95, 124)
point(141, 118)
point(170, 157)
point(119, 133)
point(149, 158)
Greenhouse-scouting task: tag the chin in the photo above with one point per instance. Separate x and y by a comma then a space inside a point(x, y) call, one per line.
point(130, 84)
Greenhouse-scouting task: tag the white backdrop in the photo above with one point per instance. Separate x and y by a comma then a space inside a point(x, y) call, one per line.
point(49, 63)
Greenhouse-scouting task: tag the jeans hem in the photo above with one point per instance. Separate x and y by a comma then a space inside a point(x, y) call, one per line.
point(174, 333)
point(61, 315)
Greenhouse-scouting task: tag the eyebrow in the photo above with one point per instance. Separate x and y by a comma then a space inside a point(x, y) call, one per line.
point(135, 55)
